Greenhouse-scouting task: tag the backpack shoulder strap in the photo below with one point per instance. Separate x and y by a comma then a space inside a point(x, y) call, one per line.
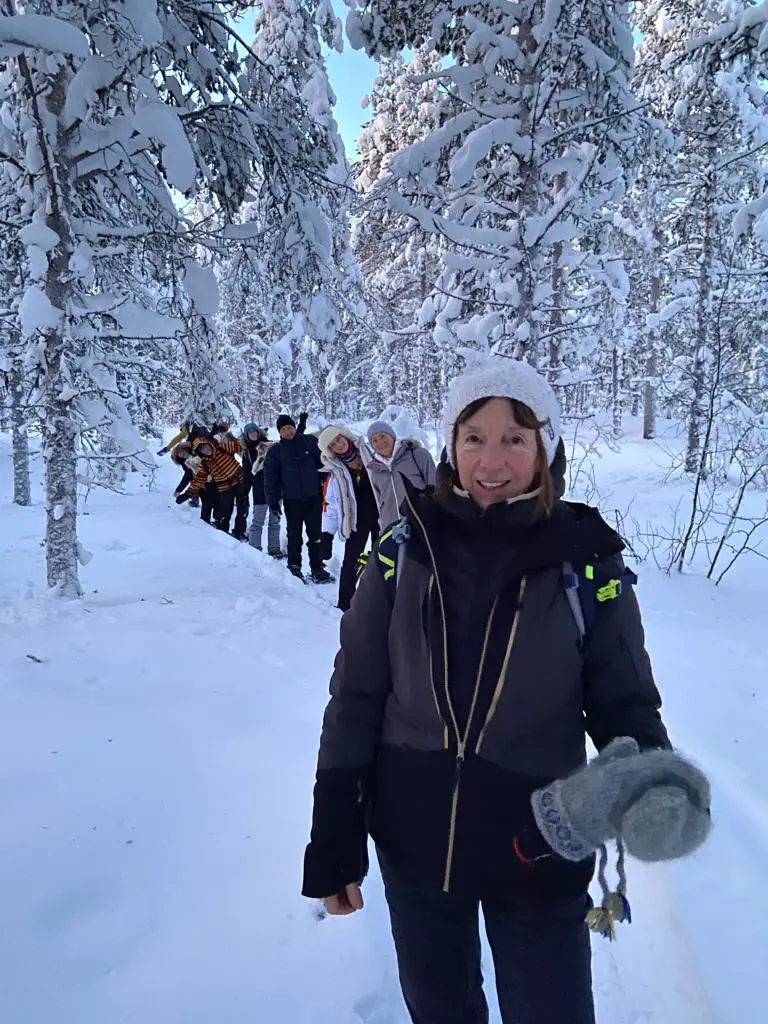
point(389, 555)
point(586, 588)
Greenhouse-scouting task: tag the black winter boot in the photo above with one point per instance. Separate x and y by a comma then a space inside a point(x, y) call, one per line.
point(295, 570)
point(321, 576)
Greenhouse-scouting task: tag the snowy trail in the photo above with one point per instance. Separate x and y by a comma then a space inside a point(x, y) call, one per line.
point(156, 763)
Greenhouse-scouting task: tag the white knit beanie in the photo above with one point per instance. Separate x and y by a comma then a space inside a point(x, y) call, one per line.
point(328, 436)
point(504, 378)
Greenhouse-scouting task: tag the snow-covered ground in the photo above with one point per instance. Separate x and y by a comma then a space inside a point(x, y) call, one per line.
point(157, 746)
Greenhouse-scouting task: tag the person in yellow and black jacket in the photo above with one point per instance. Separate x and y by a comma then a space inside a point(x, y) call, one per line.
point(217, 460)
point(461, 700)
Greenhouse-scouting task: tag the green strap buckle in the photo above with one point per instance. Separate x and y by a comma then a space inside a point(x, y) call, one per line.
point(609, 591)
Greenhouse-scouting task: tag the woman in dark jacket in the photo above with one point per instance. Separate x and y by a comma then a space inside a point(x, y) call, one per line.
point(467, 682)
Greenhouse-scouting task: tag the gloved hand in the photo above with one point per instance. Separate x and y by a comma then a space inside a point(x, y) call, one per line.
point(181, 498)
point(665, 823)
point(162, 451)
point(663, 799)
point(326, 546)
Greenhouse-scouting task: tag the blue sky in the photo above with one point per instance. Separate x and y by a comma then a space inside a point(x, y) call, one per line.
point(351, 74)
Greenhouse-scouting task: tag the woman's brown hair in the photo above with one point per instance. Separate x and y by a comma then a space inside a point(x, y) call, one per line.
point(524, 417)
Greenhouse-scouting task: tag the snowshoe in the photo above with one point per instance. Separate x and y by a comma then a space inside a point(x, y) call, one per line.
point(295, 570)
point(321, 576)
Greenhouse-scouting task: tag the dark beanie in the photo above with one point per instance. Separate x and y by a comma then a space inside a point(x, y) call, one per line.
point(285, 421)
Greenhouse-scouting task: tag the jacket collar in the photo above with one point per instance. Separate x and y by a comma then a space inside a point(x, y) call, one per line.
point(572, 533)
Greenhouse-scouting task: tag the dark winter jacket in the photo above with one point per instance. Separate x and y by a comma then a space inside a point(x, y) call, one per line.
point(452, 704)
point(410, 461)
point(292, 470)
point(254, 457)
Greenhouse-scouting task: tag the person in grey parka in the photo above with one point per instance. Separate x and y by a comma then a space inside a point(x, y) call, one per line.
point(461, 701)
point(391, 460)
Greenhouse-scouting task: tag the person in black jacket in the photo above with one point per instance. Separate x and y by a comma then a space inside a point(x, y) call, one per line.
point(292, 475)
point(467, 682)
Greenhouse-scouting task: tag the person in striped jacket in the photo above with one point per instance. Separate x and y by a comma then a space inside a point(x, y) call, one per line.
point(217, 461)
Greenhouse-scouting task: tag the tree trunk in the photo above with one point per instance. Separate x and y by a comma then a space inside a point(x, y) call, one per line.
point(649, 392)
point(59, 431)
point(526, 326)
point(557, 280)
point(694, 456)
point(693, 452)
point(615, 393)
point(61, 546)
point(651, 368)
point(22, 494)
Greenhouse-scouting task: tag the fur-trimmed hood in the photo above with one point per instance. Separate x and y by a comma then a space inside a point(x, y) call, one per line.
point(181, 453)
point(256, 454)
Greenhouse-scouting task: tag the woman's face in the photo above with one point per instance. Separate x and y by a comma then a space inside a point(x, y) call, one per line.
point(339, 445)
point(383, 443)
point(496, 459)
point(254, 435)
point(204, 450)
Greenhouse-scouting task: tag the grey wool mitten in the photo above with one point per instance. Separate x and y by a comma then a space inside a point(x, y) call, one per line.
point(655, 800)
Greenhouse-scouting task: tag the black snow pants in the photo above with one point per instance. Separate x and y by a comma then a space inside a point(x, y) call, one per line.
point(541, 956)
point(301, 514)
point(242, 503)
point(353, 548)
point(208, 498)
point(225, 506)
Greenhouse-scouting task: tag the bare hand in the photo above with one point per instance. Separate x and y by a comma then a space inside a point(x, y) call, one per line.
point(346, 902)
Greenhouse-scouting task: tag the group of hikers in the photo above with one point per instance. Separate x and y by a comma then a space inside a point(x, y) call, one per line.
point(329, 483)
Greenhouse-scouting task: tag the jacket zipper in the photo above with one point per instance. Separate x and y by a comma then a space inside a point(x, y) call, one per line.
point(461, 748)
point(505, 665)
point(461, 742)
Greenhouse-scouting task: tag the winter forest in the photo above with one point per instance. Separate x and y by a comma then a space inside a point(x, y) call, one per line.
point(581, 185)
point(190, 237)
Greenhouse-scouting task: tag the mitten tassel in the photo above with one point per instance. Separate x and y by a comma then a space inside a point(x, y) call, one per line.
point(615, 908)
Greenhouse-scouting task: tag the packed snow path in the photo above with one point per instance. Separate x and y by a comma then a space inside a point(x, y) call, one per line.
point(157, 746)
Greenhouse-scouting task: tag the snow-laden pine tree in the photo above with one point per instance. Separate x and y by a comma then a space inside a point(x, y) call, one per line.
point(399, 260)
point(126, 110)
point(715, 109)
point(526, 167)
point(309, 227)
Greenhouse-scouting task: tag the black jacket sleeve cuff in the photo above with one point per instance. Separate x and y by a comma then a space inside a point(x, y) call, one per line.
point(337, 854)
